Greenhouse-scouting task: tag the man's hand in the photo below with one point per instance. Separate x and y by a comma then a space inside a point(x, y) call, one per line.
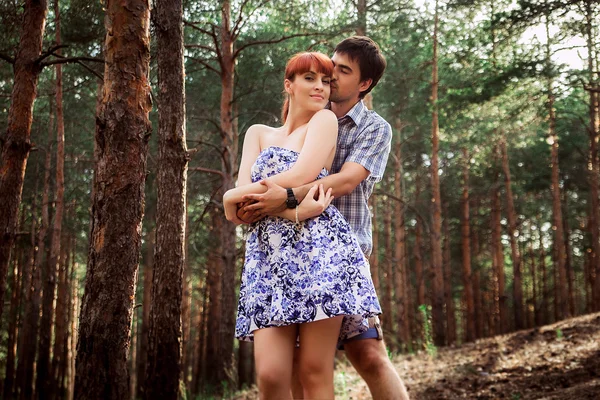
point(269, 203)
point(248, 217)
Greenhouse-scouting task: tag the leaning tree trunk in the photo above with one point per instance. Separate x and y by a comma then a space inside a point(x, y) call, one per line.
point(164, 338)
point(121, 145)
point(439, 335)
point(513, 233)
point(557, 220)
point(15, 142)
point(470, 332)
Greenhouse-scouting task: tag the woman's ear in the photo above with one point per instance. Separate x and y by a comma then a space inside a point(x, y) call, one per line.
point(287, 84)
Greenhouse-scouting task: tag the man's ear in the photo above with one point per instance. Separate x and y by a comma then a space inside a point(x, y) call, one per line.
point(364, 85)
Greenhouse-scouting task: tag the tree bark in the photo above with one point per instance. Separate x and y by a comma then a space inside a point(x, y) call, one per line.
point(500, 312)
point(215, 268)
point(448, 296)
point(470, 330)
point(513, 233)
point(401, 276)
point(557, 220)
point(568, 261)
point(142, 358)
point(594, 161)
point(164, 340)
point(419, 275)
point(374, 258)
point(121, 144)
point(388, 302)
point(13, 315)
point(439, 335)
point(544, 302)
point(25, 368)
point(15, 143)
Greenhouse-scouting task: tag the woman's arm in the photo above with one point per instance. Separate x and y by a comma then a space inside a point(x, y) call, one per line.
point(320, 140)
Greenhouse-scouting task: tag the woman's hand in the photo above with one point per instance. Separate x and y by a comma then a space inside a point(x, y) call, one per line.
point(311, 207)
point(230, 209)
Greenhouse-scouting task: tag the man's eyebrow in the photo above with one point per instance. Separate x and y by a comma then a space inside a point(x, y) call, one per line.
point(343, 66)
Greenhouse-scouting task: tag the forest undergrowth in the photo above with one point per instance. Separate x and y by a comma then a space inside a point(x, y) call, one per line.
point(558, 361)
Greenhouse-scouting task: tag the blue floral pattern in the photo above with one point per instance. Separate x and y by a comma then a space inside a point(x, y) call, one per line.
point(302, 274)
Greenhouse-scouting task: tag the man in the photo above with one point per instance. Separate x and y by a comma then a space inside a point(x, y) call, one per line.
point(363, 146)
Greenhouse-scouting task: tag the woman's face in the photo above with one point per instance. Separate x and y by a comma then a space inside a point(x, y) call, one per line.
point(309, 91)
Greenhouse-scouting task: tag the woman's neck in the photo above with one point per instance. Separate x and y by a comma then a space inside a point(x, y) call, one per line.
point(295, 119)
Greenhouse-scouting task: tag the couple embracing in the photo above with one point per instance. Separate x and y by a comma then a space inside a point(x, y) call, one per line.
point(303, 188)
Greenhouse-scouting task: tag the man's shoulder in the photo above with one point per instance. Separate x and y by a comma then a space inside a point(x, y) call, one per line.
point(375, 124)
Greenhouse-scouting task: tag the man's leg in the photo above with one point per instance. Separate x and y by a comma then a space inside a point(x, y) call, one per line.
point(369, 358)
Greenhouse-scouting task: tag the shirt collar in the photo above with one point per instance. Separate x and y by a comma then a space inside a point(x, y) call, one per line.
point(356, 113)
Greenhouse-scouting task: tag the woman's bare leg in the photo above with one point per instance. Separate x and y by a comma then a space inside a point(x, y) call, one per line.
point(317, 351)
point(273, 355)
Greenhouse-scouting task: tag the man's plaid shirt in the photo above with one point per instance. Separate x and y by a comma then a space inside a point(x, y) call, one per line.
point(364, 138)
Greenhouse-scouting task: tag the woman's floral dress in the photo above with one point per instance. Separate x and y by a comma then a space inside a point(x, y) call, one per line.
point(297, 274)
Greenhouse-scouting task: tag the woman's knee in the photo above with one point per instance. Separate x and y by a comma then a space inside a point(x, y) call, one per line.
point(270, 377)
point(314, 371)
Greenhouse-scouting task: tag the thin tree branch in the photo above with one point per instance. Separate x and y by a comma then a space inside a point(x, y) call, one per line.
point(196, 27)
point(200, 46)
point(208, 170)
point(205, 65)
point(7, 58)
point(50, 52)
point(64, 60)
point(237, 52)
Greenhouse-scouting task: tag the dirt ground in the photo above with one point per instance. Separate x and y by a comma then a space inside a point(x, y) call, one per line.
point(559, 361)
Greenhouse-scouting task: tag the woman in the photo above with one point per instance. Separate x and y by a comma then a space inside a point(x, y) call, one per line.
point(305, 278)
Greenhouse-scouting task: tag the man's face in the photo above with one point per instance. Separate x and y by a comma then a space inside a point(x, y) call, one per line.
point(345, 83)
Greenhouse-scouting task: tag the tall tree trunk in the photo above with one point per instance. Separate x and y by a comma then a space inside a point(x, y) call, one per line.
point(470, 332)
point(419, 275)
point(186, 310)
point(164, 339)
point(439, 335)
point(568, 260)
point(401, 276)
point(13, 315)
point(594, 161)
point(500, 313)
point(229, 145)
point(513, 233)
point(74, 330)
point(201, 353)
point(15, 143)
point(25, 368)
point(374, 258)
point(388, 302)
point(215, 268)
point(537, 320)
point(55, 264)
point(121, 145)
point(544, 302)
point(245, 361)
point(448, 296)
point(61, 324)
point(361, 20)
point(142, 358)
point(557, 220)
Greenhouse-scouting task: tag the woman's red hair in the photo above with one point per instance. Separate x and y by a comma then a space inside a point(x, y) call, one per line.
point(301, 63)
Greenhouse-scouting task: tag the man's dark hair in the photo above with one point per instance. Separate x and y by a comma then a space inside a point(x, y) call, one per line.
point(367, 54)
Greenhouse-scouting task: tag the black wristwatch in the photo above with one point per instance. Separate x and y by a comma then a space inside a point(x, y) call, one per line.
point(291, 201)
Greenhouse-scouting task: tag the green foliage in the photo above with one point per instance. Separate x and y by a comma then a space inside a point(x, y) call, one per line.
point(430, 347)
